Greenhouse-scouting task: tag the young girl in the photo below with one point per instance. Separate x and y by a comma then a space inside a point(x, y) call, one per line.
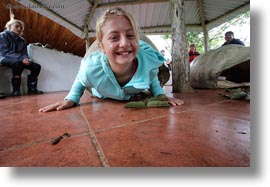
point(13, 54)
point(193, 53)
point(123, 67)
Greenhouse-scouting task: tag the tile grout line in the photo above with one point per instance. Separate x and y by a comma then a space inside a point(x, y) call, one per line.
point(225, 116)
point(128, 124)
point(94, 140)
point(140, 121)
point(24, 145)
point(223, 101)
point(20, 146)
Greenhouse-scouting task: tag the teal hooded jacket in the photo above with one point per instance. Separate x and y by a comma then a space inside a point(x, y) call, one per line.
point(96, 74)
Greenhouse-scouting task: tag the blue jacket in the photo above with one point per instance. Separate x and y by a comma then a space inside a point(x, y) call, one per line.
point(95, 73)
point(12, 46)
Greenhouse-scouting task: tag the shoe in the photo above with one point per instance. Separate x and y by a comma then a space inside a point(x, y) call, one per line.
point(2, 96)
point(34, 92)
point(32, 85)
point(16, 93)
point(16, 83)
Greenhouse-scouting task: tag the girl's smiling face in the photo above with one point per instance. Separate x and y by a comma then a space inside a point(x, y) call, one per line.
point(119, 41)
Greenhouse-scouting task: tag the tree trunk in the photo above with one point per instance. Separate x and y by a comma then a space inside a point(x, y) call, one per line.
point(181, 69)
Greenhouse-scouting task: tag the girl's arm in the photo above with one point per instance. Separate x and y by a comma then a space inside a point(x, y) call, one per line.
point(3, 45)
point(71, 99)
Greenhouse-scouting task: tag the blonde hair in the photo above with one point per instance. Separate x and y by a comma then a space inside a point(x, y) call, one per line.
point(14, 21)
point(119, 12)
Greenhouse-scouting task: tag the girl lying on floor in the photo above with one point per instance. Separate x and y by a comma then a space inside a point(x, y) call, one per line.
point(124, 66)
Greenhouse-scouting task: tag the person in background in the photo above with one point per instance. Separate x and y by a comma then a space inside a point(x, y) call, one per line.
point(193, 53)
point(167, 61)
point(13, 54)
point(123, 67)
point(229, 37)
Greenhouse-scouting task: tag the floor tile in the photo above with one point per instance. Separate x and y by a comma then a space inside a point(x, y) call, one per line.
point(191, 138)
point(200, 97)
point(208, 130)
point(22, 123)
point(75, 151)
point(104, 114)
point(26, 127)
point(239, 109)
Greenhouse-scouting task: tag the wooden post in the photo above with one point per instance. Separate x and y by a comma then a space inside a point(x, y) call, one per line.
point(205, 33)
point(86, 39)
point(181, 69)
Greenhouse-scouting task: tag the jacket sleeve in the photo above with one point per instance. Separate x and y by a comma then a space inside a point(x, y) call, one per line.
point(151, 53)
point(240, 42)
point(81, 81)
point(152, 60)
point(3, 45)
point(25, 53)
point(76, 91)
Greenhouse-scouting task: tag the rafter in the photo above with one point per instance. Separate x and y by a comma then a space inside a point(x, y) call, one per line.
point(92, 11)
point(93, 8)
point(135, 2)
point(244, 6)
point(55, 14)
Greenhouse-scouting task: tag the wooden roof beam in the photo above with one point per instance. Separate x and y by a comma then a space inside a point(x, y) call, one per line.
point(92, 11)
point(93, 8)
point(135, 2)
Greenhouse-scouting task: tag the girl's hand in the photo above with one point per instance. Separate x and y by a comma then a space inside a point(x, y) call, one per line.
point(174, 101)
point(58, 106)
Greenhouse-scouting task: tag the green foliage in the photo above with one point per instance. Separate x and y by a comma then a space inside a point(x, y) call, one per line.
point(215, 35)
point(197, 39)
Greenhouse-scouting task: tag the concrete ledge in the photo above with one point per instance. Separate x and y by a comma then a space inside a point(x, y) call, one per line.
point(58, 71)
point(5, 80)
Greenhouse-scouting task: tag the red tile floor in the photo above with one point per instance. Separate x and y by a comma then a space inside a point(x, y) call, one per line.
point(208, 130)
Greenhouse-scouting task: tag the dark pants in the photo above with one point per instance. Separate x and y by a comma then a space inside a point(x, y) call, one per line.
point(17, 67)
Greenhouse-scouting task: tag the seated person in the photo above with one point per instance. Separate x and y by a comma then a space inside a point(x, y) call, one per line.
point(167, 61)
point(193, 53)
point(13, 54)
point(229, 37)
